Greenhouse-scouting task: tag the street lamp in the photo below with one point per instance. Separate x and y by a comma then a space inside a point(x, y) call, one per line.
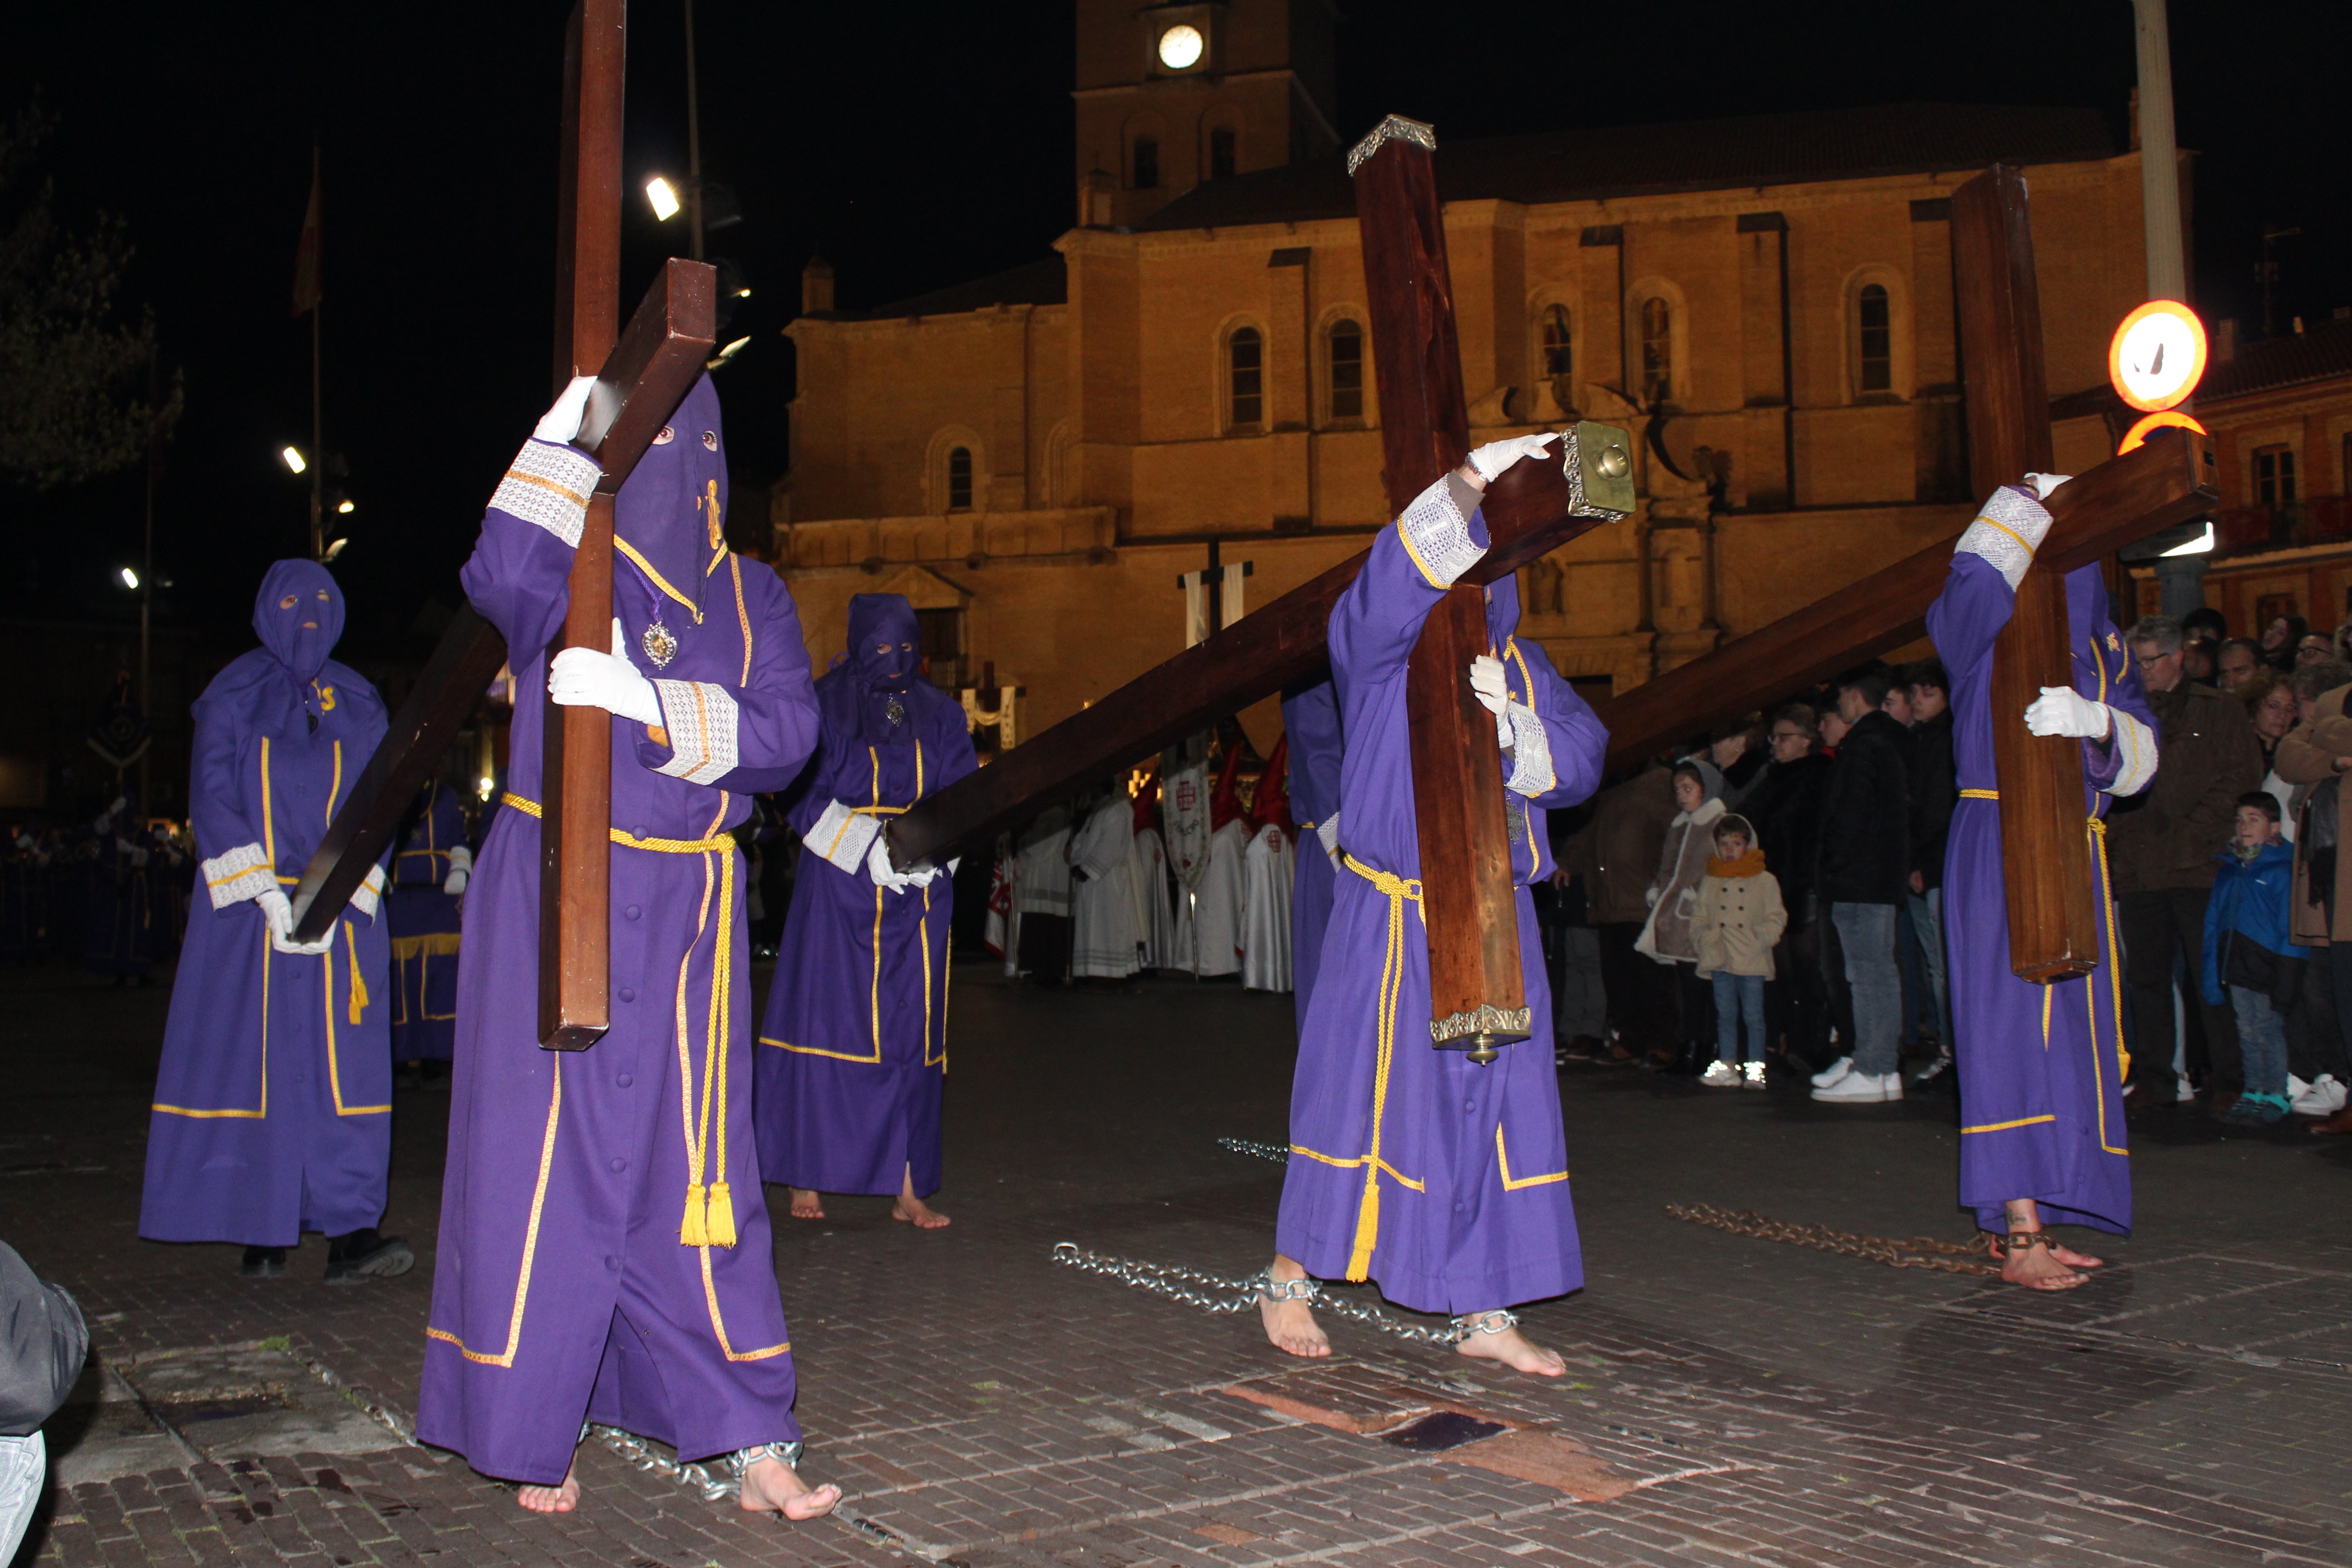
point(663, 196)
point(294, 460)
point(129, 579)
point(347, 507)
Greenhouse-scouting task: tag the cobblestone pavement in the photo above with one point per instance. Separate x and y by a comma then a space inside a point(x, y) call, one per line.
point(1728, 1400)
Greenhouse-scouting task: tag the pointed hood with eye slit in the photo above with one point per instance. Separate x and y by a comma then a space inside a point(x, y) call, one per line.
point(1502, 609)
point(668, 520)
point(300, 634)
point(885, 642)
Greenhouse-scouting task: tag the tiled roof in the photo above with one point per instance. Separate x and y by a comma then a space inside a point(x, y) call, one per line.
point(2324, 352)
point(1695, 156)
point(1045, 283)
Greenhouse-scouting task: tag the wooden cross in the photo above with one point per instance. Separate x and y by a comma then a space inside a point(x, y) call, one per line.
point(640, 382)
point(2045, 852)
point(1532, 509)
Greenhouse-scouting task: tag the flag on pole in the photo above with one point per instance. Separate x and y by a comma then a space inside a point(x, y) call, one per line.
point(306, 253)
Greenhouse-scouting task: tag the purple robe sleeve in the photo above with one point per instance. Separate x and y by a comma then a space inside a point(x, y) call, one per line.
point(2125, 762)
point(1559, 744)
point(1377, 620)
point(519, 573)
point(228, 836)
point(749, 738)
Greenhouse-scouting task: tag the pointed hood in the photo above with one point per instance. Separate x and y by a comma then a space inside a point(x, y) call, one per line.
point(1502, 609)
point(886, 643)
point(1271, 808)
point(299, 615)
point(1225, 804)
point(670, 518)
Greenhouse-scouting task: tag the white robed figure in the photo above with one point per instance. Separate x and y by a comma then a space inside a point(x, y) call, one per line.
point(1103, 937)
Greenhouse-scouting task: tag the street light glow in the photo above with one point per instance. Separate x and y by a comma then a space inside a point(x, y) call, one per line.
point(129, 579)
point(663, 196)
point(294, 459)
point(348, 507)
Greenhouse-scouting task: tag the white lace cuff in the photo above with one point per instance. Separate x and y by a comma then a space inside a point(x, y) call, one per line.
point(2008, 530)
point(369, 892)
point(1327, 830)
point(700, 719)
point(461, 859)
point(1437, 536)
point(242, 873)
point(843, 837)
point(2135, 748)
point(1531, 771)
point(549, 485)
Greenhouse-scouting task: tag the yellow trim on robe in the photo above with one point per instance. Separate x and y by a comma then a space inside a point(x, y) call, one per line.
point(1512, 1183)
point(1406, 539)
point(529, 1235)
point(263, 1113)
point(334, 1070)
point(1398, 890)
point(2005, 1126)
point(658, 581)
point(743, 615)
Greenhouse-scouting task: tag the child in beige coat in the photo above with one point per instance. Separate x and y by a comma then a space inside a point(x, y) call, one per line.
point(1738, 919)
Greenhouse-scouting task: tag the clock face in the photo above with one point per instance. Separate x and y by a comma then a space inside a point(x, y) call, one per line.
point(2157, 355)
point(1180, 47)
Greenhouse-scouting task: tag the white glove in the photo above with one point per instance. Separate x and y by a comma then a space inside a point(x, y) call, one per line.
point(1492, 458)
point(1488, 685)
point(2062, 710)
point(561, 423)
point(885, 875)
point(2045, 483)
point(280, 915)
point(461, 867)
point(582, 678)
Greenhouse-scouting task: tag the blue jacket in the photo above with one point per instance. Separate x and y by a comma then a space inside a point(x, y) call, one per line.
point(2254, 898)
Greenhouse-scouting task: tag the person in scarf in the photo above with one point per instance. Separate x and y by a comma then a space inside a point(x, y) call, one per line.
point(853, 1045)
point(273, 1100)
point(604, 1250)
point(1443, 1179)
point(1310, 722)
point(428, 878)
point(2041, 1066)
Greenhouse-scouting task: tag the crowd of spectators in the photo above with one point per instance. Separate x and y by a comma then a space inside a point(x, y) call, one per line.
point(1768, 904)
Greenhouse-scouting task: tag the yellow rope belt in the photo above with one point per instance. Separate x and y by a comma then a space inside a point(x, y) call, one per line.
point(709, 1216)
point(1398, 890)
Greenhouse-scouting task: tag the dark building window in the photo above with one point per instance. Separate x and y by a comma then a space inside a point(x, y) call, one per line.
point(1347, 358)
point(1557, 359)
point(1220, 152)
point(2273, 474)
point(1147, 163)
point(1876, 340)
point(1657, 349)
point(960, 479)
point(943, 634)
point(1244, 357)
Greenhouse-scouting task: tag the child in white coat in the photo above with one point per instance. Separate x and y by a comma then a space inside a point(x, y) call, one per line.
point(1738, 919)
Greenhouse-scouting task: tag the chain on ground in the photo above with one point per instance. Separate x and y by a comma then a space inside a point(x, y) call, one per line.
point(1915, 1252)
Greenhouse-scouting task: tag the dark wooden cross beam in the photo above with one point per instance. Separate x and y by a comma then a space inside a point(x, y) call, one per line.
point(1530, 510)
point(639, 383)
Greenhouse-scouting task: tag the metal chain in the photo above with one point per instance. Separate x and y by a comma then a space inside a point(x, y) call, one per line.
point(1192, 1288)
point(1916, 1252)
point(1274, 1151)
point(643, 1455)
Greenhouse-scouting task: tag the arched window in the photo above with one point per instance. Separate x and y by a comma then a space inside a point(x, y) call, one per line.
point(1552, 342)
point(959, 480)
point(1220, 152)
point(1874, 340)
point(1245, 378)
point(1345, 356)
point(1657, 349)
point(1147, 163)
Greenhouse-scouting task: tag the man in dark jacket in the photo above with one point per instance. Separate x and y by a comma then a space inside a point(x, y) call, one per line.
point(1935, 790)
point(42, 1343)
point(1864, 872)
point(1784, 803)
point(2160, 849)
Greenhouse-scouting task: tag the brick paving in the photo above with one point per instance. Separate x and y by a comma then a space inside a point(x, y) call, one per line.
point(1727, 1401)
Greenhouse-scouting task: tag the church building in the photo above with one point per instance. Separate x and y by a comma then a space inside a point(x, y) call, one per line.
point(1035, 459)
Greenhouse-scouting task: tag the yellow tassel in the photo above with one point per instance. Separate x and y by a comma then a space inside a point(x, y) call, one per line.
point(691, 1231)
point(359, 981)
point(723, 1216)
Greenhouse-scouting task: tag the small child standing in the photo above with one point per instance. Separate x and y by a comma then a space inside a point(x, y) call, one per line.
point(1738, 919)
point(2248, 952)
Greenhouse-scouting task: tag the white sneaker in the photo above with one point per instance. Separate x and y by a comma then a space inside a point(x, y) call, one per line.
point(1720, 1075)
point(1862, 1089)
point(1833, 1072)
point(2324, 1098)
point(1751, 1074)
point(2296, 1089)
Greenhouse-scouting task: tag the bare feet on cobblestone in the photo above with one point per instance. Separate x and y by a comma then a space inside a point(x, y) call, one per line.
point(1515, 1350)
point(551, 1499)
point(807, 1204)
point(771, 1485)
point(1291, 1324)
point(2050, 1268)
point(914, 1210)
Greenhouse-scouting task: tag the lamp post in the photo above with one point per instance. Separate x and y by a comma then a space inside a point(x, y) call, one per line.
point(693, 143)
point(2180, 579)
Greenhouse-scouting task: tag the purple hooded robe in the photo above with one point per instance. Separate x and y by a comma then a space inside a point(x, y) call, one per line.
point(2041, 1066)
point(1444, 1180)
point(1310, 718)
point(423, 923)
point(854, 1054)
point(273, 1100)
point(604, 1249)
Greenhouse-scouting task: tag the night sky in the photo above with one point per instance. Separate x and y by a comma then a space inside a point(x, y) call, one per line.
point(914, 145)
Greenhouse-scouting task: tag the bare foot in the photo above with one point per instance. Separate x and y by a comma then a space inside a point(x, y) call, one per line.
point(914, 1210)
point(1290, 1323)
point(1515, 1350)
point(807, 1204)
point(2036, 1269)
point(771, 1485)
point(551, 1499)
point(2071, 1259)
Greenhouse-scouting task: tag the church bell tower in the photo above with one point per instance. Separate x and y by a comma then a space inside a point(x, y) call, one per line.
point(1171, 95)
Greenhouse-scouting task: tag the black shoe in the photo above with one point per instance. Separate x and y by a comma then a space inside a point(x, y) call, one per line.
point(263, 1262)
point(363, 1255)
